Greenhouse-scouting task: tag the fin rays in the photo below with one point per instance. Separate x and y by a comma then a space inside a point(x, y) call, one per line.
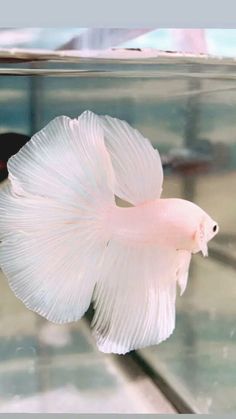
point(52, 217)
point(134, 299)
point(54, 232)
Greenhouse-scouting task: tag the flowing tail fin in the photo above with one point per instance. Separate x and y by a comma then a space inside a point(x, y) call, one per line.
point(53, 217)
point(57, 248)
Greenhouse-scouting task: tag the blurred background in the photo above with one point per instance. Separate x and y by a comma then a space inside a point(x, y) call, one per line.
point(186, 106)
point(221, 42)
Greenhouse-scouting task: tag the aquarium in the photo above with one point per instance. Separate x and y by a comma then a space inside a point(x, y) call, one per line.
point(186, 106)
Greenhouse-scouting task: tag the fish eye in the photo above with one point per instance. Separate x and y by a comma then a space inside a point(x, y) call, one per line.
point(215, 228)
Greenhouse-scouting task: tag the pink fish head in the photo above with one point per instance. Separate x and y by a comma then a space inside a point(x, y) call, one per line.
point(207, 229)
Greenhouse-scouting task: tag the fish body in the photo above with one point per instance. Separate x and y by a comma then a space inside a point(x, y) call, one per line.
point(65, 242)
point(172, 222)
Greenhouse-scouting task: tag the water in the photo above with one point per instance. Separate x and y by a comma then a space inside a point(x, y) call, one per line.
point(187, 109)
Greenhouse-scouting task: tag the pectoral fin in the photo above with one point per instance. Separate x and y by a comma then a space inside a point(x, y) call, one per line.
point(200, 240)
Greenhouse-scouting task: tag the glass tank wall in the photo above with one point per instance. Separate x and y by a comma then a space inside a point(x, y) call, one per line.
point(188, 111)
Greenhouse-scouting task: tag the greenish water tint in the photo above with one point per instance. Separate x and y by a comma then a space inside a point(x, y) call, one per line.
point(188, 111)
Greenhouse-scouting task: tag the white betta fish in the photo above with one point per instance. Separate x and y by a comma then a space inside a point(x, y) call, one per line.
point(65, 242)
